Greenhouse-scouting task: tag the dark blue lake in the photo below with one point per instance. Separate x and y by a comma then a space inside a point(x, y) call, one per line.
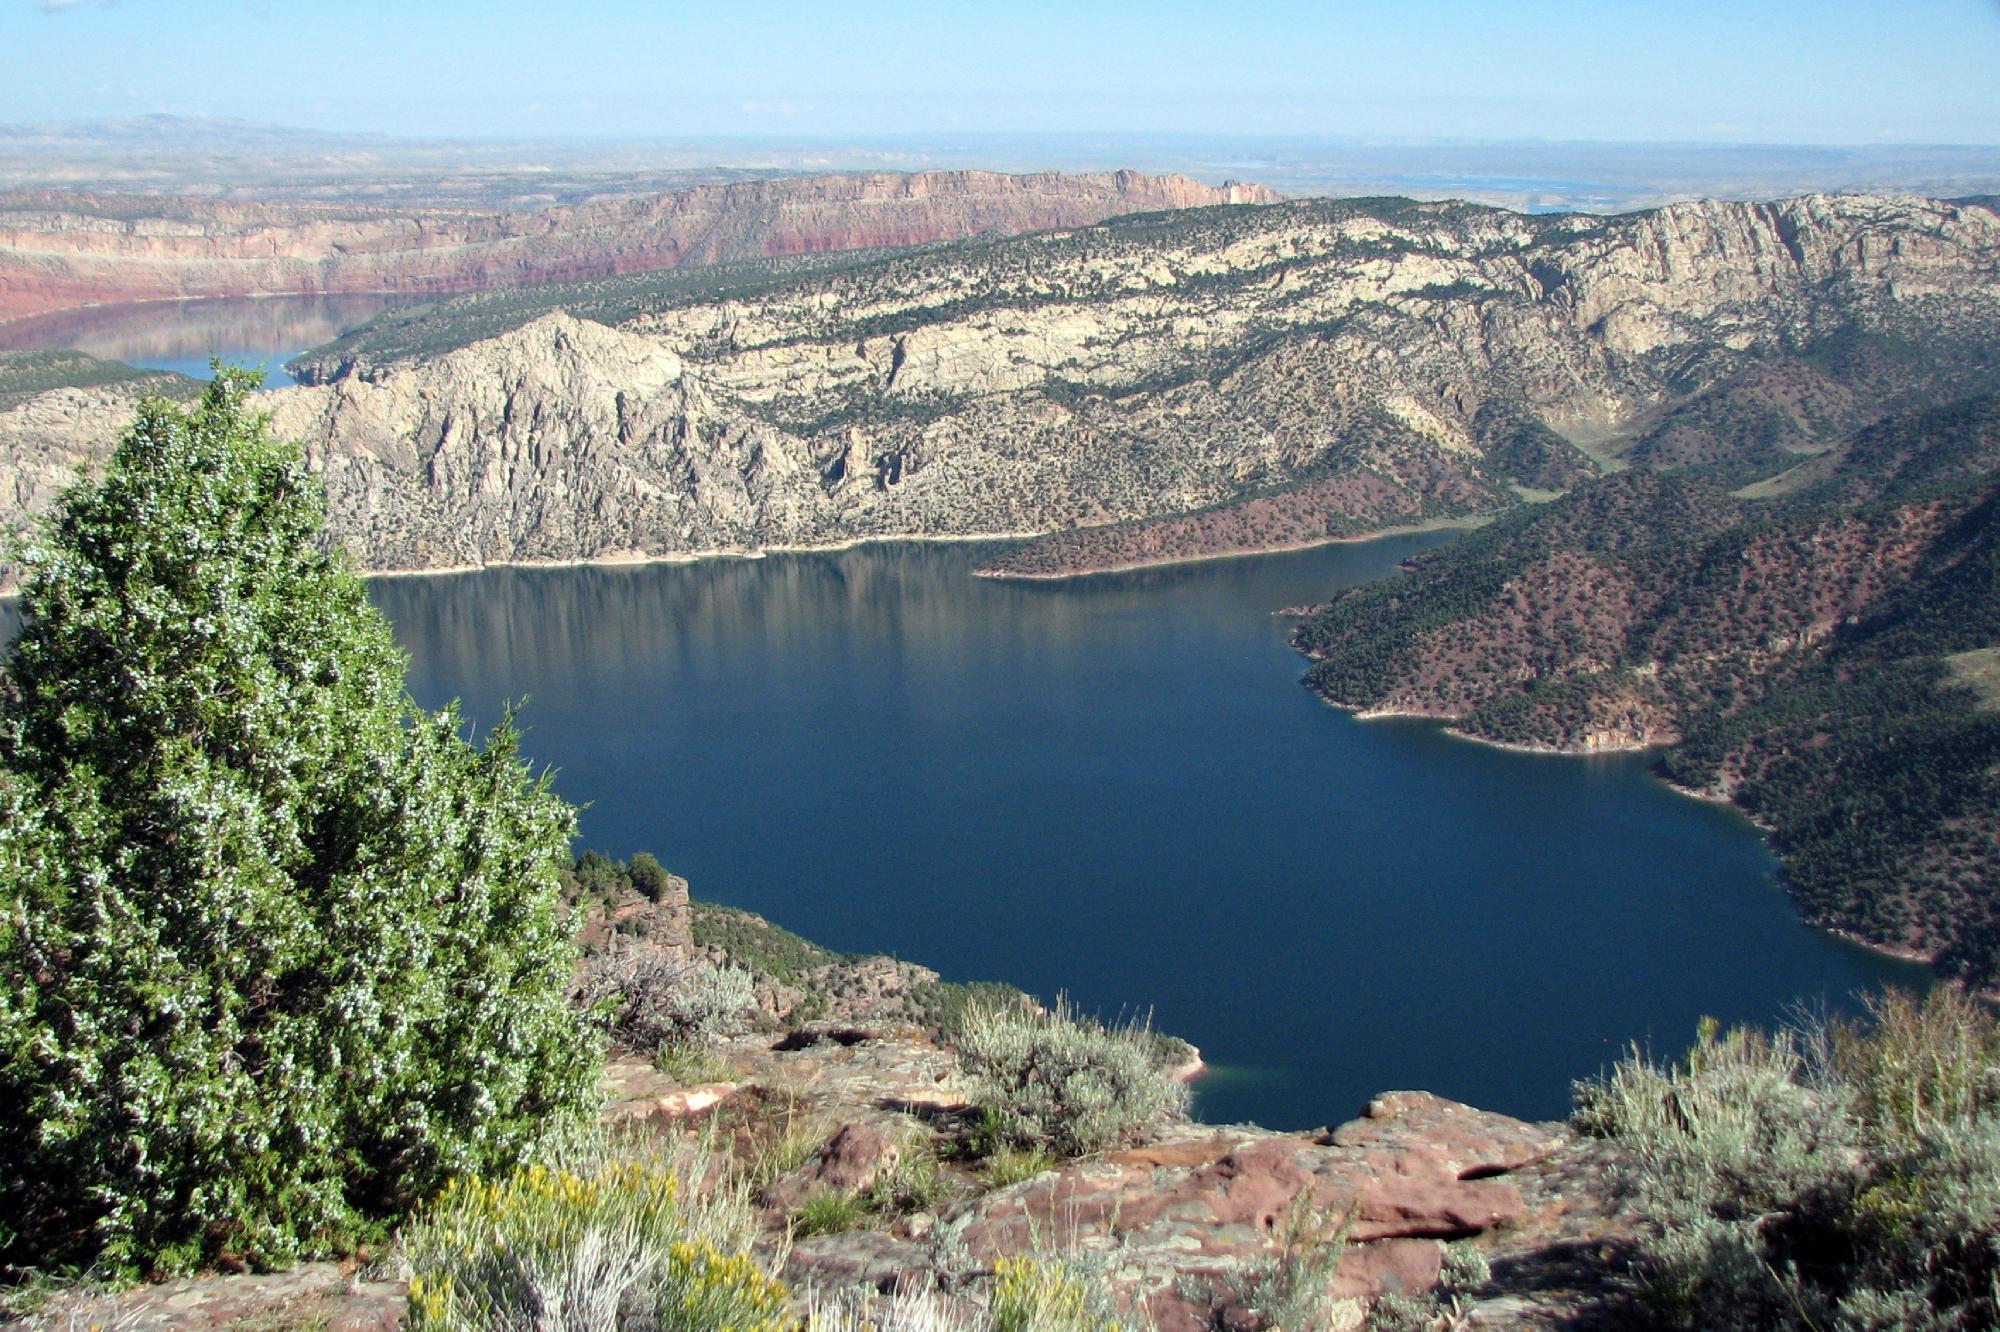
point(1116, 787)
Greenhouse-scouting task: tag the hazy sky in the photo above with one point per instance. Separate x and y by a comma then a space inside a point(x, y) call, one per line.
point(1790, 71)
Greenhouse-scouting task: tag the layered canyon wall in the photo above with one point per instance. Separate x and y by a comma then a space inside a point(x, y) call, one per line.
point(64, 250)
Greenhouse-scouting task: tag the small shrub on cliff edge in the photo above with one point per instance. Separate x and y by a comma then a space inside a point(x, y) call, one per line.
point(279, 953)
point(1055, 1081)
point(658, 1002)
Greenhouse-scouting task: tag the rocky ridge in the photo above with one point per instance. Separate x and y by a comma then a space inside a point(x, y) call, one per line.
point(1187, 1224)
point(1432, 359)
point(62, 250)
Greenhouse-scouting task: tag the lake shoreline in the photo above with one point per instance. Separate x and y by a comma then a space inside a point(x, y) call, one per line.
point(632, 560)
point(1168, 561)
point(1895, 952)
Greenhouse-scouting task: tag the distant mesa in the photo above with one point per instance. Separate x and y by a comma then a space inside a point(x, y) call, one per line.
point(61, 250)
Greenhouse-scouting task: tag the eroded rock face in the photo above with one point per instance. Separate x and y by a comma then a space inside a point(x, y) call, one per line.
point(1082, 377)
point(662, 924)
point(61, 250)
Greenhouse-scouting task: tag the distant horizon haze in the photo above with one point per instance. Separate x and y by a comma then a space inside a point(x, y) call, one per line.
point(196, 124)
point(1781, 73)
point(251, 160)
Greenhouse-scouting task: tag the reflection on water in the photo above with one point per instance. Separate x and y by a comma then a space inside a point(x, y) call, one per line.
point(183, 335)
point(1116, 787)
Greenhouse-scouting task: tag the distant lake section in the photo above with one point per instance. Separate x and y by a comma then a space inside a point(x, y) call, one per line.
point(258, 331)
point(1116, 787)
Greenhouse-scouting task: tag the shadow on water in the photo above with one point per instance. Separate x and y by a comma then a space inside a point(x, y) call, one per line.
point(1115, 786)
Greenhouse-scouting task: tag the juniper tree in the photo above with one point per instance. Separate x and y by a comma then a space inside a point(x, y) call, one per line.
point(279, 951)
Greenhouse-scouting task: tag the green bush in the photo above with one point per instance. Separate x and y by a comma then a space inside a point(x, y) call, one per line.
point(830, 1212)
point(1052, 1080)
point(1845, 1176)
point(623, 1244)
point(279, 953)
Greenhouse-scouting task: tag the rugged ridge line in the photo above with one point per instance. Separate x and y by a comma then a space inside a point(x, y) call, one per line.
point(62, 250)
point(1439, 357)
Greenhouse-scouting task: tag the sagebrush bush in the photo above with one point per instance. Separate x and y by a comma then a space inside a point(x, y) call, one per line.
point(1918, 1064)
point(623, 1245)
point(1056, 1081)
point(1741, 1125)
point(1847, 1176)
point(1293, 1288)
point(658, 1002)
point(279, 952)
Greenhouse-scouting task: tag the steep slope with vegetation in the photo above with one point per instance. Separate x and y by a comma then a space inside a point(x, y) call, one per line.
point(1346, 365)
point(1811, 647)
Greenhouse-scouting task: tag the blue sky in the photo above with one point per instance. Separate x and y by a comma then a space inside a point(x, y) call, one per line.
point(1771, 71)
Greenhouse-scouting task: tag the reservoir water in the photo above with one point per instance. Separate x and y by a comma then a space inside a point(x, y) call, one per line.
point(1116, 787)
point(262, 331)
point(1113, 787)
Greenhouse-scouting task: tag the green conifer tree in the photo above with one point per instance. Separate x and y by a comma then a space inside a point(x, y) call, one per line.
point(279, 951)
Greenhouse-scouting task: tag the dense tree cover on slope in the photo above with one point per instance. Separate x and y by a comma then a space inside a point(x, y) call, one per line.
point(1790, 651)
point(279, 952)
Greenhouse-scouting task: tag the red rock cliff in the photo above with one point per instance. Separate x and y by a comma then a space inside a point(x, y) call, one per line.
point(60, 250)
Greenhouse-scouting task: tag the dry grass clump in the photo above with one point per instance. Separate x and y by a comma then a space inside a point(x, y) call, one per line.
point(917, 1310)
point(1046, 1292)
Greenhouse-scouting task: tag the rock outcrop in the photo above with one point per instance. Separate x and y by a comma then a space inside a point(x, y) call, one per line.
point(661, 923)
point(1189, 1225)
point(60, 250)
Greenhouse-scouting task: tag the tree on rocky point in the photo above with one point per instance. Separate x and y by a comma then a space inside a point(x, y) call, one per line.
point(280, 952)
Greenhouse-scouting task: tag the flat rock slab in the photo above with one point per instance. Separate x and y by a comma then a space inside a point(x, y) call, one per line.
point(1187, 1222)
point(301, 1297)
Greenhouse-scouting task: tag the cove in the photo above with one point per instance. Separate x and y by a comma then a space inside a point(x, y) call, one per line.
point(1116, 787)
